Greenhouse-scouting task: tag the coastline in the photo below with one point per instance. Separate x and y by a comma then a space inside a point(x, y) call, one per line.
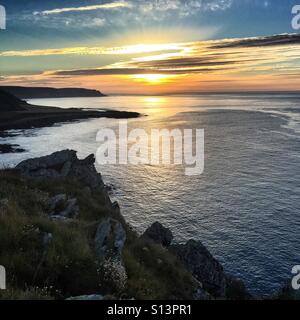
point(60, 207)
point(74, 218)
point(39, 116)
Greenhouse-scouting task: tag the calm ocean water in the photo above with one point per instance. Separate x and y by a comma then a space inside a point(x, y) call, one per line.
point(245, 206)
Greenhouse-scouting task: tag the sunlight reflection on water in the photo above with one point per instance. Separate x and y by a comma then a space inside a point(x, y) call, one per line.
point(241, 208)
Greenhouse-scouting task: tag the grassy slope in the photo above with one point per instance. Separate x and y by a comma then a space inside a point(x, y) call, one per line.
point(68, 267)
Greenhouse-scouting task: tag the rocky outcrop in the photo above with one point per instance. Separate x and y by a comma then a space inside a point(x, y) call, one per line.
point(109, 243)
point(159, 234)
point(63, 164)
point(207, 271)
point(206, 275)
point(71, 210)
point(204, 267)
point(56, 203)
point(110, 239)
point(236, 289)
point(110, 235)
point(61, 206)
point(52, 166)
point(201, 294)
point(10, 148)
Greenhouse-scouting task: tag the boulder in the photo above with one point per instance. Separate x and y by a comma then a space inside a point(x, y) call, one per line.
point(61, 206)
point(110, 188)
point(85, 171)
point(63, 164)
point(115, 207)
point(110, 239)
point(159, 234)
point(61, 219)
point(201, 294)
point(204, 267)
point(71, 210)
point(47, 166)
point(109, 242)
point(236, 289)
point(57, 202)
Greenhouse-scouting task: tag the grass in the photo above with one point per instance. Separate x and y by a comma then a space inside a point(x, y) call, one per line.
point(66, 265)
point(154, 273)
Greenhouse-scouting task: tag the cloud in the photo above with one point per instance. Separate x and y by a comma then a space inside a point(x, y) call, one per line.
point(160, 10)
point(273, 54)
point(185, 6)
point(105, 6)
point(269, 63)
point(126, 13)
point(124, 50)
point(149, 6)
point(185, 62)
point(276, 40)
point(103, 71)
point(134, 71)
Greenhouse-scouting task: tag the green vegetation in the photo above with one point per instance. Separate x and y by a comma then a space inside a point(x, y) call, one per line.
point(154, 273)
point(48, 259)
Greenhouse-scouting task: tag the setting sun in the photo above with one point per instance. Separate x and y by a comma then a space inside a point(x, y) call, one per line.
point(152, 78)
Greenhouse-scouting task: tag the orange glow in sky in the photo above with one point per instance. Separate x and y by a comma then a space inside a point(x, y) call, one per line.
point(216, 65)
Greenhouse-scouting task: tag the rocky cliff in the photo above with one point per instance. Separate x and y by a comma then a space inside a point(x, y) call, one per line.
point(61, 237)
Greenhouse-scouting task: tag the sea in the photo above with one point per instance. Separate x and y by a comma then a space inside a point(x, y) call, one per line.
point(244, 207)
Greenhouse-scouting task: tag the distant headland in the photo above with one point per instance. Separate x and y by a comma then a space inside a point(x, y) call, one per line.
point(18, 114)
point(47, 92)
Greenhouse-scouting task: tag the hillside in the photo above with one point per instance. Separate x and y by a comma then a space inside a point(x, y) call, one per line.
point(17, 114)
point(45, 92)
point(10, 103)
point(61, 236)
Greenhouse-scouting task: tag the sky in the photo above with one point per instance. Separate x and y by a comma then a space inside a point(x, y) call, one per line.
point(151, 46)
